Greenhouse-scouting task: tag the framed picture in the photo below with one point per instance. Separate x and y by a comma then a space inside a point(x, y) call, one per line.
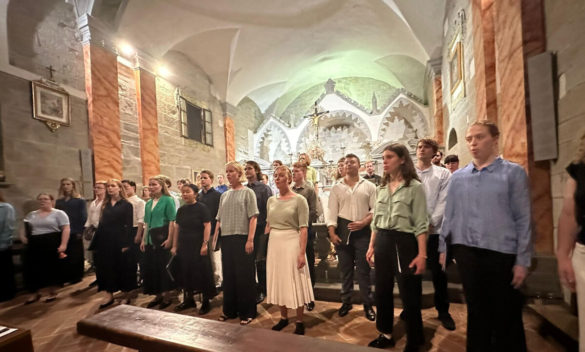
point(456, 67)
point(51, 105)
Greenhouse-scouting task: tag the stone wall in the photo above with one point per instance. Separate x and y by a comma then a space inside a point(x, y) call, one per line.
point(180, 156)
point(458, 111)
point(247, 120)
point(35, 158)
point(566, 37)
point(131, 165)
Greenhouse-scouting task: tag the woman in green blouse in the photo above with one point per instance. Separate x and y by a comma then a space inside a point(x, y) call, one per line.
point(159, 219)
point(398, 246)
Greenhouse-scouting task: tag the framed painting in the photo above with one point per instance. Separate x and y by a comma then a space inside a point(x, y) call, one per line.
point(51, 105)
point(456, 66)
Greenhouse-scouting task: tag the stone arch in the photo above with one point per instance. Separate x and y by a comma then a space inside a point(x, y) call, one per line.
point(404, 115)
point(273, 143)
point(452, 139)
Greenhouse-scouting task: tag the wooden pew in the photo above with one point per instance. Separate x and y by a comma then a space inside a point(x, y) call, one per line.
point(152, 330)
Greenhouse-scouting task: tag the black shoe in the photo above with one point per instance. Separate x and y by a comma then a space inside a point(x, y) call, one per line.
point(403, 315)
point(447, 322)
point(382, 342)
point(184, 305)
point(155, 302)
point(205, 307)
point(164, 304)
point(412, 347)
point(260, 298)
point(369, 312)
point(107, 304)
point(300, 328)
point(92, 284)
point(280, 325)
point(310, 306)
point(345, 308)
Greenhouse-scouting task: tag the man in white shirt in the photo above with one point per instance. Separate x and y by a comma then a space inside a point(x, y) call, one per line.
point(435, 180)
point(351, 204)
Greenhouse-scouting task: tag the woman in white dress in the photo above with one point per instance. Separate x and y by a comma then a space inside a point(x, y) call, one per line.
point(288, 278)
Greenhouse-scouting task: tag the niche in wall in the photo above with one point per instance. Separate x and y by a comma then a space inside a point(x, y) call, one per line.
point(452, 140)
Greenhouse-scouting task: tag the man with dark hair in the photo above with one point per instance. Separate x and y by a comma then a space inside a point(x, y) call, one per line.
point(435, 180)
point(370, 175)
point(488, 224)
point(438, 157)
point(351, 207)
point(452, 163)
point(263, 192)
point(221, 186)
point(305, 188)
point(210, 197)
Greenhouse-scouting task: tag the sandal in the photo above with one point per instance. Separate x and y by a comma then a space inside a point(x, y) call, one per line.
point(32, 299)
point(223, 318)
point(50, 298)
point(246, 322)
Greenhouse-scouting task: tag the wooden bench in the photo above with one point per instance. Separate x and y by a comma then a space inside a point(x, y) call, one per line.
point(152, 330)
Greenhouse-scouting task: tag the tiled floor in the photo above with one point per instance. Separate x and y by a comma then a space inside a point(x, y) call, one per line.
point(53, 324)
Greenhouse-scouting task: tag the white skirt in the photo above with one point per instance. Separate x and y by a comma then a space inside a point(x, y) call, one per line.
point(286, 285)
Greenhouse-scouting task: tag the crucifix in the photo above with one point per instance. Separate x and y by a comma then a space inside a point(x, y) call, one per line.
point(315, 117)
point(51, 70)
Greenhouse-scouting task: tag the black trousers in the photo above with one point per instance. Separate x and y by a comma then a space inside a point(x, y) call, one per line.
point(494, 307)
point(260, 250)
point(239, 294)
point(75, 259)
point(310, 250)
point(7, 283)
point(393, 251)
point(439, 276)
point(354, 254)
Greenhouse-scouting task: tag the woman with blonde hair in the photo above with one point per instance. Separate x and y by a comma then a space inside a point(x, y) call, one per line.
point(46, 236)
point(237, 218)
point(115, 268)
point(74, 206)
point(571, 235)
point(159, 222)
point(288, 278)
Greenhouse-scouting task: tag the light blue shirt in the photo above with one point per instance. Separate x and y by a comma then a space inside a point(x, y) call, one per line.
point(490, 209)
point(7, 220)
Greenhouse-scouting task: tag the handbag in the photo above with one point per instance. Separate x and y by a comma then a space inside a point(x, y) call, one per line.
point(159, 234)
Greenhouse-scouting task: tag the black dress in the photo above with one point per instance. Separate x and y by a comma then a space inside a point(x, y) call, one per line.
point(76, 210)
point(194, 270)
point(577, 172)
point(115, 270)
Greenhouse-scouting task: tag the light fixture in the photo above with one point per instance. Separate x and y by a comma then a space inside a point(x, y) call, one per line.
point(126, 49)
point(163, 71)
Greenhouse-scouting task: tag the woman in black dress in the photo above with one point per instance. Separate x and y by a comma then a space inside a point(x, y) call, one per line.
point(191, 249)
point(115, 267)
point(74, 206)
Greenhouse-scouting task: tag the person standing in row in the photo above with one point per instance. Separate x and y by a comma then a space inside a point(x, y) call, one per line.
point(237, 218)
point(46, 234)
point(176, 196)
point(262, 192)
point(351, 206)
point(192, 251)
point(311, 172)
point(115, 264)
point(398, 246)
point(221, 186)
point(74, 206)
point(7, 222)
point(210, 197)
point(305, 189)
point(159, 220)
point(371, 175)
point(91, 224)
point(289, 282)
point(488, 224)
point(435, 180)
point(137, 221)
point(340, 169)
point(571, 243)
point(452, 163)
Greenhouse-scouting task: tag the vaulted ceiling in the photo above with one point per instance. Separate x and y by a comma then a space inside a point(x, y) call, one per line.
point(265, 48)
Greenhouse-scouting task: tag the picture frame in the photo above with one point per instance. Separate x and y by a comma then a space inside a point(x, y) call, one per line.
point(51, 104)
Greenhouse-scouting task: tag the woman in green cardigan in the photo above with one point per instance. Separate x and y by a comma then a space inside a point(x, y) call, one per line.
point(159, 219)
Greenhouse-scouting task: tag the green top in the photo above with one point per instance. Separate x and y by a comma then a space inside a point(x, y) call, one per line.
point(312, 175)
point(286, 214)
point(404, 210)
point(164, 212)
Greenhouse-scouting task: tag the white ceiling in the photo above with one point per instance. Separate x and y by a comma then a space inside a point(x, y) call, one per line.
point(264, 48)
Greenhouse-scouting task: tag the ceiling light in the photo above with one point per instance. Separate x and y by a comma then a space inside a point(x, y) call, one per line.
point(163, 71)
point(126, 49)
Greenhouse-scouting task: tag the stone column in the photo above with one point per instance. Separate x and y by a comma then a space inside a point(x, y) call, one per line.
point(147, 119)
point(101, 86)
point(485, 60)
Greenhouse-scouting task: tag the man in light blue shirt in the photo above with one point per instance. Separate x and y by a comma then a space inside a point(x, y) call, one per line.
point(487, 222)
